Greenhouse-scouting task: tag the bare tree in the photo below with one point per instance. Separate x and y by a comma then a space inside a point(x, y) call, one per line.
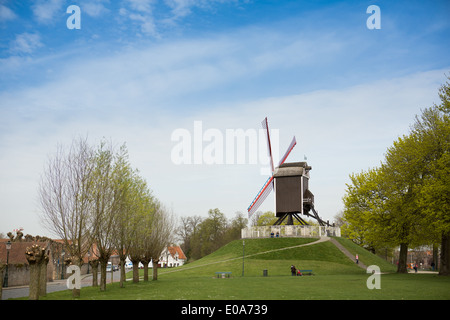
point(64, 195)
point(187, 230)
point(161, 235)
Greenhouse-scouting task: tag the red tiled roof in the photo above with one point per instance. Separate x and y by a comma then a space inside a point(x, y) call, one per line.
point(176, 249)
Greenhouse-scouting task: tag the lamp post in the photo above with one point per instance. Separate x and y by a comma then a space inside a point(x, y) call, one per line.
point(89, 255)
point(62, 264)
point(8, 248)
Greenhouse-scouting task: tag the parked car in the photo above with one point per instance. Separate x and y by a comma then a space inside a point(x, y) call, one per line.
point(110, 267)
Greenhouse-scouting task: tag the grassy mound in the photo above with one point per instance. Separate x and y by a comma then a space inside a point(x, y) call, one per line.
point(367, 257)
point(273, 254)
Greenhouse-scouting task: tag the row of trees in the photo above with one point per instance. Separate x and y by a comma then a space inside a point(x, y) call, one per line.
point(406, 200)
point(95, 201)
point(201, 236)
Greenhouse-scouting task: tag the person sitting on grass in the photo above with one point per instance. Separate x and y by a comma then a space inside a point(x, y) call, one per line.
point(293, 270)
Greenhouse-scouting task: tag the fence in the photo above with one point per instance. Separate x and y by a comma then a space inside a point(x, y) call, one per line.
point(290, 231)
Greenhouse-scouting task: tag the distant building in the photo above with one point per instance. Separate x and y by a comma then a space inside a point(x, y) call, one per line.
point(172, 256)
point(18, 267)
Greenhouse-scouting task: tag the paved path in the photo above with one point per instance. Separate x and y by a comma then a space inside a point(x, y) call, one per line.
point(346, 252)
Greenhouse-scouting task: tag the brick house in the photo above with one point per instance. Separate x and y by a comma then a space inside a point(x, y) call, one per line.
point(18, 267)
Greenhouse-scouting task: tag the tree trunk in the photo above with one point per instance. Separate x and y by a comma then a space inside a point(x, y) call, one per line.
point(35, 273)
point(103, 264)
point(2, 269)
point(122, 271)
point(77, 262)
point(444, 269)
point(155, 270)
point(435, 256)
point(402, 260)
point(35, 256)
point(94, 265)
point(145, 263)
point(43, 276)
point(135, 270)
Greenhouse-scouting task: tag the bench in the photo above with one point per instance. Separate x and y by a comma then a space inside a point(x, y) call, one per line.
point(224, 274)
point(307, 272)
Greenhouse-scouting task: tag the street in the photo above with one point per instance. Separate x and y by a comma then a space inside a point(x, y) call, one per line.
point(57, 285)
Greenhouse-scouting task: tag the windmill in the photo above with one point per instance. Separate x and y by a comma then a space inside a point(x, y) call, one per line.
point(290, 182)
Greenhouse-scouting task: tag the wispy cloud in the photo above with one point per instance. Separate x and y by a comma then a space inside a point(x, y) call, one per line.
point(95, 8)
point(6, 14)
point(154, 16)
point(25, 43)
point(46, 11)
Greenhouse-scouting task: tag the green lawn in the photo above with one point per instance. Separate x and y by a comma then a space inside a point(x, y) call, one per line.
point(323, 287)
point(336, 277)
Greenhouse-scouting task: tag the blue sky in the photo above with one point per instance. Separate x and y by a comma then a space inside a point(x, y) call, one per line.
point(138, 70)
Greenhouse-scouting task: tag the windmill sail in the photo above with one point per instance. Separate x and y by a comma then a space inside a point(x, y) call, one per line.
point(265, 126)
point(268, 185)
point(291, 146)
point(260, 197)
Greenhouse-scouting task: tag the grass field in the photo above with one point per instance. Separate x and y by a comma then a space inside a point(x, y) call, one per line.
point(336, 276)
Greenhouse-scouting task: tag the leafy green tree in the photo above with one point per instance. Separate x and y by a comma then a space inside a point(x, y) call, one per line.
point(432, 128)
point(235, 226)
point(105, 206)
point(265, 219)
point(403, 179)
point(361, 207)
point(406, 201)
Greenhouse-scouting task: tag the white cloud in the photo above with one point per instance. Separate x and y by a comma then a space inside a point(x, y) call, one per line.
point(6, 14)
point(94, 8)
point(25, 43)
point(146, 23)
point(141, 5)
point(46, 11)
